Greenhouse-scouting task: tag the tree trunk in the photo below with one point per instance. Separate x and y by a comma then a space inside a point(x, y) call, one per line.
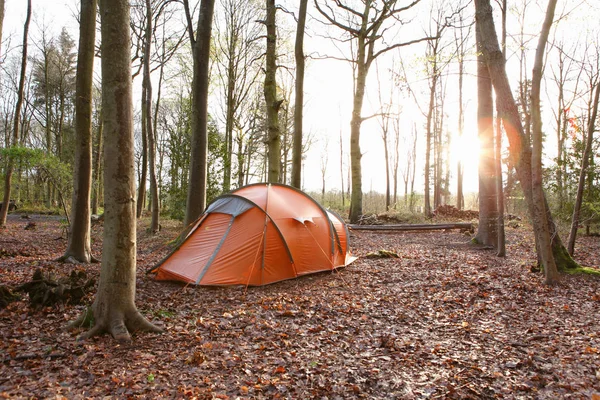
point(539, 204)
point(396, 163)
point(154, 224)
point(114, 309)
point(141, 194)
point(160, 163)
point(79, 247)
point(428, 137)
point(582, 174)
point(519, 145)
point(387, 172)
point(355, 153)
point(16, 123)
point(196, 195)
point(299, 101)
point(342, 169)
point(560, 135)
point(413, 170)
point(501, 247)
point(488, 217)
point(97, 169)
point(1, 24)
point(229, 113)
point(460, 199)
point(272, 103)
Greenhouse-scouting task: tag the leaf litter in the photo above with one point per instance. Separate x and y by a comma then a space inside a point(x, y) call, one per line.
point(443, 320)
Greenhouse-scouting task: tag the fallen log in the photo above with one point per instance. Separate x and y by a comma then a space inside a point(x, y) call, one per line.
point(466, 226)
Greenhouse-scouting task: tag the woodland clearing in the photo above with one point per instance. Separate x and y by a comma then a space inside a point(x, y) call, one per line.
point(444, 320)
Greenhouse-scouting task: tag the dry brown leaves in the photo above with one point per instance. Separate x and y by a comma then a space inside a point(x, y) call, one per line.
point(442, 321)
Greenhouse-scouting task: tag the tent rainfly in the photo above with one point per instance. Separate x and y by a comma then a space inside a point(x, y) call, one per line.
point(256, 235)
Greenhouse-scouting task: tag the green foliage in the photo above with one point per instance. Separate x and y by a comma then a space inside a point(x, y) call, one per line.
point(177, 123)
point(570, 166)
point(42, 168)
point(23, 154)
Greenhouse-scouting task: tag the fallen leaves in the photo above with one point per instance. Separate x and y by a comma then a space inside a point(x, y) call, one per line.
point(443, 320)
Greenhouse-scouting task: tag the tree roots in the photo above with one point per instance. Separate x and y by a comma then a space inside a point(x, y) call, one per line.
point(120, 326)
point(70, 258)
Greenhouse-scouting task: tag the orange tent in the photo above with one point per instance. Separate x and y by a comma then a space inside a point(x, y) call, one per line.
point(256, 235)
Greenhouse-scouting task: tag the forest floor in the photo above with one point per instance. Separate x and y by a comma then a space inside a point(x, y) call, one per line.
point(444, 320)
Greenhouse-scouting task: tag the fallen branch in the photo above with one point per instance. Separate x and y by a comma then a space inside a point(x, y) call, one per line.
point(31, 356)
point(413, 227)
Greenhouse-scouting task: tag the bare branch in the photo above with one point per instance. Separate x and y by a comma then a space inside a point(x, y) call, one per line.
point(188, 18)
point(334, 22)
point(397, 45)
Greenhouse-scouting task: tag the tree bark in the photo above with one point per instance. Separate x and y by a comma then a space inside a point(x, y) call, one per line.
point(428, 137)
point(486, 230)
point(272, 103)
point(114, 308)
point(519, 145)
point(154, 223)
point(232, 42)
point(460, 199)
point(1, 24)
point(141, 193)
point(362, 70)
point(97, 169)
point(582, 174)
point(501, 244)
point(501, 247)
point(196, 195)
point(539, 204)
point(17, 118)
point(299, 101)
point(79, 247)
point(342, 170)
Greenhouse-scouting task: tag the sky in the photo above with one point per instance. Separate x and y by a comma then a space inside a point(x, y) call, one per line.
point(328, 93)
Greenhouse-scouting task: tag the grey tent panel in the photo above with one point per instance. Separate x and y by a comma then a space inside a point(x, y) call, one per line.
point(232, 205)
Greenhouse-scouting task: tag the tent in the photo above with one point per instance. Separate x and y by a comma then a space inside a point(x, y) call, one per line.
point(256, 235)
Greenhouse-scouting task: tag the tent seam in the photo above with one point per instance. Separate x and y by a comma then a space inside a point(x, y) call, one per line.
point(217, 249)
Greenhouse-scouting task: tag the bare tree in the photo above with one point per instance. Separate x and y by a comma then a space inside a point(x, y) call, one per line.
point(1, 25)
point(143, 166)
point(97, 186)
point(299, 101)
point(384, 123)
point(539, 202)
point(200, 41)
point(147, 115)
point(342, 169)
point(488, 213)
point(395, 158)
point(460, 39)
point(236, 60)
point(273, 104)
point(367, 26)
point(17, 117)
point(114, 309)
point(519, 144)
point(585, 161)
point(324, 165)
point(561, 71)
point(501, 245)
point(79, 248)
